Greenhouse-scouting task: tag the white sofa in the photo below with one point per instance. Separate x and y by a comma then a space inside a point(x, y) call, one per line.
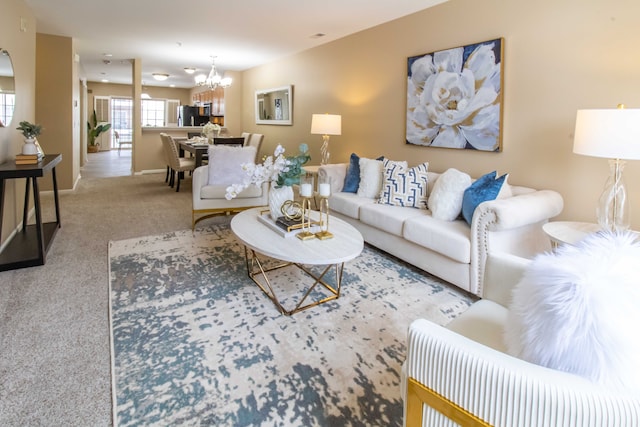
point(451, 250)
point(463, 370)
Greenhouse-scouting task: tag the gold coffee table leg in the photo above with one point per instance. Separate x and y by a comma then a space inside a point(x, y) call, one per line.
point(253, 261)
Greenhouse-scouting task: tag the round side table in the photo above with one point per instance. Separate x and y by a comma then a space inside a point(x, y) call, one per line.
point(569, 232)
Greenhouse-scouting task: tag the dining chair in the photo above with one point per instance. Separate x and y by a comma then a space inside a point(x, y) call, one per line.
point(166, 150)
point(255, 140)
point(179, 165)
point(116, 136)
point(246, 136)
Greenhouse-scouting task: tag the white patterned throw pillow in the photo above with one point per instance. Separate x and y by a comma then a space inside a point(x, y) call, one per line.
point(576, 310)
point(445, 200)
point(404, 187)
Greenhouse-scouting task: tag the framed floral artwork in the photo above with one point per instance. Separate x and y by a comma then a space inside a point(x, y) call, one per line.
point(454, 97)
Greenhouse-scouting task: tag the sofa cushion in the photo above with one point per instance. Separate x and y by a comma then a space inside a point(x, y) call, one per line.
point(388, 218)
point(352, 177)
point(404, 187)
point(445, 200)
point(483, 189)
point(348, 204)
point(219, 192)
point(449, 238)
point(225, 164)
point(483, 322)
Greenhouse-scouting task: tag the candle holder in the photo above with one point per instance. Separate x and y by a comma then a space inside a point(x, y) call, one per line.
point(324, 190)
point(306, 192)
point(324, 233)
point(306, 233)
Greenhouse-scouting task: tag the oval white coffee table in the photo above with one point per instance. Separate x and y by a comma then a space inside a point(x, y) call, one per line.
point(258, 238)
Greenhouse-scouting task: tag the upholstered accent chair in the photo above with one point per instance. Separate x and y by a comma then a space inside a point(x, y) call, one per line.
point(210, 184)
point(462, 372)
point(178, 165)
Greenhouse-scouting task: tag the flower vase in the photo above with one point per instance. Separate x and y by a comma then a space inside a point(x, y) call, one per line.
point(277, 196)
point(29, 146)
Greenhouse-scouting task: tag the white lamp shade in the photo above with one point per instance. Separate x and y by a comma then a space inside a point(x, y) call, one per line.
point(326, 124)
point(612, 133)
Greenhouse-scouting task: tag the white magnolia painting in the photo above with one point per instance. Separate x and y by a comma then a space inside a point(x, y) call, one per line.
point(454, 97)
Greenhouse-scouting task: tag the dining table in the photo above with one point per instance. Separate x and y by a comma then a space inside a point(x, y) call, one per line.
point(201, 149)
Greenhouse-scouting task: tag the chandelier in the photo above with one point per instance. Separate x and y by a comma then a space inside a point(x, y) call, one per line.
point(213, 80)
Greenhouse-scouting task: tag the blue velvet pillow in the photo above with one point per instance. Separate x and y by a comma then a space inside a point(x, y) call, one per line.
point(483, 189)
point(352, 178)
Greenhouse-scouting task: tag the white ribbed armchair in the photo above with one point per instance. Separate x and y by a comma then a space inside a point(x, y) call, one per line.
point(463, 370)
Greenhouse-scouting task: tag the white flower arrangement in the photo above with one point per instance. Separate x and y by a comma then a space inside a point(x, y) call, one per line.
point(210, 129)
point(277, 168)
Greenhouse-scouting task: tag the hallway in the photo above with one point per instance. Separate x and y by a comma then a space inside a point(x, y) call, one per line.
point(106, 164)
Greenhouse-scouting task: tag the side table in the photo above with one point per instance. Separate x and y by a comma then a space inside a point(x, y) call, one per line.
point(569, 232)
point(29, 246)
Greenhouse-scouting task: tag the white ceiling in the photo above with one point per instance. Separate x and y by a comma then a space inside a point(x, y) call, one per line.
point(169, 35)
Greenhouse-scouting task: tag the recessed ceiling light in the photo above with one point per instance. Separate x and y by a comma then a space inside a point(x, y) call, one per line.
point(160, 76)
point(104, 81)
point(318, 35)
point(189, 70)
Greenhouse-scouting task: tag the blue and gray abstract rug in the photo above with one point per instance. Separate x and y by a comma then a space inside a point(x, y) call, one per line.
point(195, 342)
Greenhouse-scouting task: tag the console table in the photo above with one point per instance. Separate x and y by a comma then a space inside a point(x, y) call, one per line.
point(29, 246)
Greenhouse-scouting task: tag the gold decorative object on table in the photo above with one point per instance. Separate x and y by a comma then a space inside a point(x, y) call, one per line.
point(306, 192)
point(324, 191)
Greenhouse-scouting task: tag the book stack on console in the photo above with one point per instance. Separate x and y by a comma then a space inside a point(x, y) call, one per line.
point(28, 159)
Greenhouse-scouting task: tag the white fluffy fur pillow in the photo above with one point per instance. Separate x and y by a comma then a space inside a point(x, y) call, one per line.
point(225, 164)
point(445, 200)
point(577, 310)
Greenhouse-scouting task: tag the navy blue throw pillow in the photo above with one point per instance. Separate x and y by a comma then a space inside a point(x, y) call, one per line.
point(484, 188)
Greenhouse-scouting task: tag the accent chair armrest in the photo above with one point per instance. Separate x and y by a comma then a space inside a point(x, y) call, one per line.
point(503, 390)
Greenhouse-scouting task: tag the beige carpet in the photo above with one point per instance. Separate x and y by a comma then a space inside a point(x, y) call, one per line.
point(54, 327)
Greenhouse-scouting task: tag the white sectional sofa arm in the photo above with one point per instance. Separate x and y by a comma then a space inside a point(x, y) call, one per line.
point(511, 225)
point(336, 173)
point(518, 211)
point(503, 390)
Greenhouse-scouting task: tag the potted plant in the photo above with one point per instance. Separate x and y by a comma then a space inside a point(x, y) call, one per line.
point(30, 131)
point(94, 130)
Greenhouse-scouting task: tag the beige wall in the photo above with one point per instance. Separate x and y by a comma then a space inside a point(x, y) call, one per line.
point(58, 104)
point(22, 48)
point(560, 56)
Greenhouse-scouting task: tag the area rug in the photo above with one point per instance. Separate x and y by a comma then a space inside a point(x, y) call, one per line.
point(196, 342)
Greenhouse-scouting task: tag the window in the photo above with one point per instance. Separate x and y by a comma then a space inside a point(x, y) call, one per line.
point(7, 105)
point(153, 112)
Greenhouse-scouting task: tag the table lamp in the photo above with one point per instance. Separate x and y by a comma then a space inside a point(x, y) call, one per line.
point(325, 125)
point(614, 134)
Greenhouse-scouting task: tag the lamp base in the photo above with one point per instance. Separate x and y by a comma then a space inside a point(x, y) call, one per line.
point(613, 206)
point(325, 150)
